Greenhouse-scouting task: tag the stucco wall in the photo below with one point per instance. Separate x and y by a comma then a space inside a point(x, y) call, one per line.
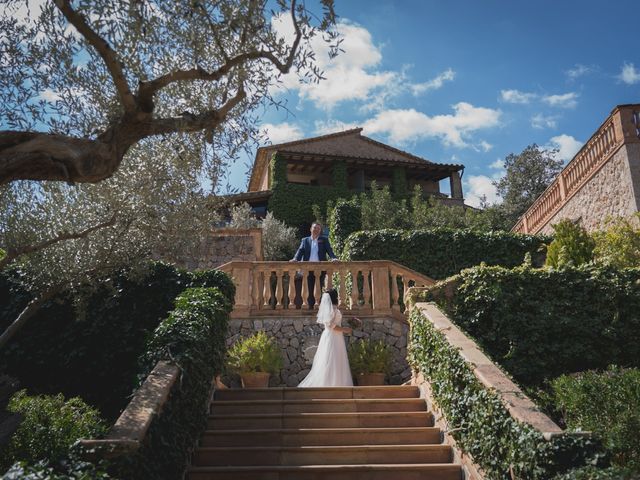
point(298, 338)
point(613, 191)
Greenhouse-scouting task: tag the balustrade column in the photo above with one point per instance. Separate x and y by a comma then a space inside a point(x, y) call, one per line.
point(381, 294)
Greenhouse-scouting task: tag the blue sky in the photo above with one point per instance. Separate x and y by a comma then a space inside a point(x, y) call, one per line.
point(469, 81)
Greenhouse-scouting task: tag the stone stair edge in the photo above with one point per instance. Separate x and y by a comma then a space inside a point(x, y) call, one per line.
point(366, 467)
point(319, 430)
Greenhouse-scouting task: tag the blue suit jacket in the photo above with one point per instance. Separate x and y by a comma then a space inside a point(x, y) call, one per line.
point(304, 250)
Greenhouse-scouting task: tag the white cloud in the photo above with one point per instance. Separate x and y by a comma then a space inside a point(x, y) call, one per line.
point(433, 84)
point(497, 165)
point(567, 146)
point(404, 125)
point(566, 100)
point(629, 74)
point(578, 70)
point(282, 132)
point(323, 127)
point(478, 186)
point(516, 96)
point(541, 121)
point(484, 146)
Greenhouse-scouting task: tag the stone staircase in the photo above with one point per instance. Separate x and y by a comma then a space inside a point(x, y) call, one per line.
point(340, 433)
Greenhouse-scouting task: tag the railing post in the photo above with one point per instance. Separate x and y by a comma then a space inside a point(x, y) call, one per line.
point(242, 278)
point(380, 287)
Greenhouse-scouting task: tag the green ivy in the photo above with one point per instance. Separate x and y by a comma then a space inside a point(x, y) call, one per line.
point(399, 186)
point(344, 219)
point(440, 253)
point(503, 447)
point(193, 338)
point(539, 324)
point(293, 204)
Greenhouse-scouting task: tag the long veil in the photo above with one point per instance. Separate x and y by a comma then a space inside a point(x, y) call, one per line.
point(325, 311)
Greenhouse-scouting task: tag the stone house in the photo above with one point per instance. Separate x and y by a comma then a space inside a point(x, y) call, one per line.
point(601, 181)
point(288, 178)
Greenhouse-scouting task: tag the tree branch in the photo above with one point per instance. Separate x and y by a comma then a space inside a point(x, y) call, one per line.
point(13, 254)
point(147, 90)
point(194, 123)
point(104, 50)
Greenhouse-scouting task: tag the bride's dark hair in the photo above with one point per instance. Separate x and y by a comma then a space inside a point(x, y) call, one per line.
point(333, 295)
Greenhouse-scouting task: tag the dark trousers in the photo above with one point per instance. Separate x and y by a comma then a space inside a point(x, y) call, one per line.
point(311, 284)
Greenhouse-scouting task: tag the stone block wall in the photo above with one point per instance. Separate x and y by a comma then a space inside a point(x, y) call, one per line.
point(614, 191)
point(298, 339)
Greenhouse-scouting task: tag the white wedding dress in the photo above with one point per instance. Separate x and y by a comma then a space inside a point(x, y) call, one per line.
point(330, 363)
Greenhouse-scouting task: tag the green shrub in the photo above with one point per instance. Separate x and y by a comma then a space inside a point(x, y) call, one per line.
point(94, 353)
point(572, 245)
point(539, 324)
point(50, 426)
point(380, 210)
point(440, 253)
point(369, 356)
point(595, 473)
point(193, 338)
point(74, 469)
point(503, 447)
point(619, 244)
point(608, 404)
point(257, 353)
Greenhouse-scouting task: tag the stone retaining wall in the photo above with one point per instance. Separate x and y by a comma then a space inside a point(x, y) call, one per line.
point(612, 192)
point(298, 338)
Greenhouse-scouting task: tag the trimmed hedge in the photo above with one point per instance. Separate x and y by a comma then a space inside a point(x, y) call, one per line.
point(94, 356)
point(440, 253)
point(193, 338)
point(344, 219)
point(539, 324)
point(503, 447)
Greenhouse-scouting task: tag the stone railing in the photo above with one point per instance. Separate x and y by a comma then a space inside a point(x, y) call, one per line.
point(265, 288)
point(618, 129)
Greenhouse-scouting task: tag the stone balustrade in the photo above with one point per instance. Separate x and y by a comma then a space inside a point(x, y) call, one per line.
point(620, 128)
point(284, 288)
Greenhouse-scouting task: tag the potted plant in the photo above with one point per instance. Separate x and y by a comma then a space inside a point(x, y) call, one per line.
point(255, 359)
point(369, 361)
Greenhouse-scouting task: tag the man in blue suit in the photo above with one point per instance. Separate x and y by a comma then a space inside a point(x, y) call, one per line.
point(314, 248)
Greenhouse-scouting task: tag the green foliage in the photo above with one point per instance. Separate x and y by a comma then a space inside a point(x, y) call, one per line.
point(93, 352)
point(539, 324)
point(72, 469)
point(619, 244)
point(594, 473)
point(503, 447)
point(369, 356)
point(257, 353)
point(293, 204)
point(527, 175)
point(379, 209)
point(607, 404)
point(193, 338)
point(344, 219)
point(278, 241)
point(50, 426)
point(572, 246)
point(440, 253)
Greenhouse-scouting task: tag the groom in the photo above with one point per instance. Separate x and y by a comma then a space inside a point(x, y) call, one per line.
point(314, 248)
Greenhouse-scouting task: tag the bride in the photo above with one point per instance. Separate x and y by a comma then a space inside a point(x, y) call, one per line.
point(330, 364)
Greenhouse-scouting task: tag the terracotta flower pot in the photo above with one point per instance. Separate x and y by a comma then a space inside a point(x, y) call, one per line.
point(365, 379)
point(255, 379)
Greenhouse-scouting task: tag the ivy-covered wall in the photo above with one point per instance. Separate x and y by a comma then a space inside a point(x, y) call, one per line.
point(293, 203)
point(440, 253)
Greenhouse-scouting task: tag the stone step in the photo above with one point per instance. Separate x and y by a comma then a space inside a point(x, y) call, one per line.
point(322, 455)
point(321, 436)
point(433, 471)
point(320, 420)
point(286, 393)
point(325, 405)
